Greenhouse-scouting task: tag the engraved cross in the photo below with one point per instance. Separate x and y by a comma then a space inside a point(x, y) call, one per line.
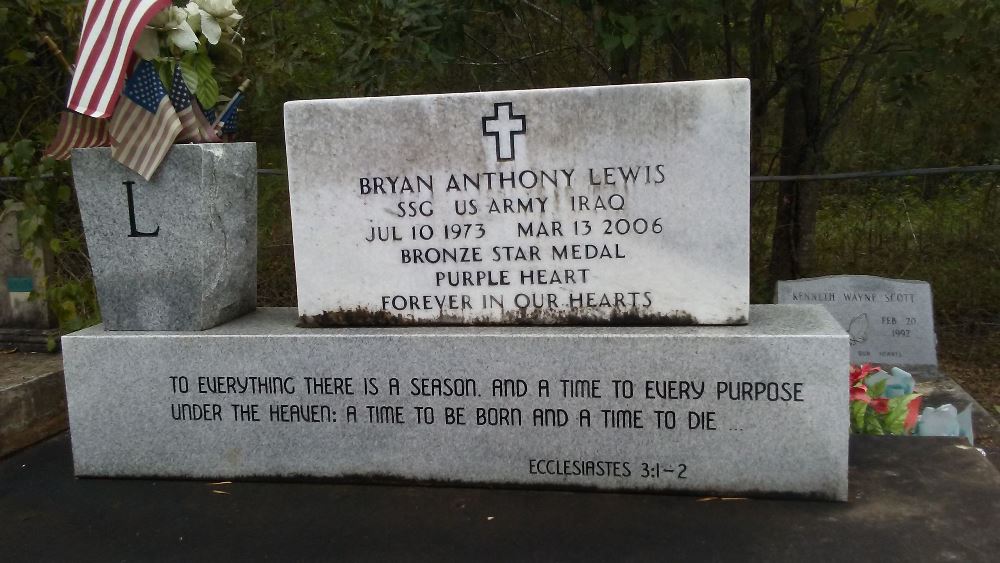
point(502, 126)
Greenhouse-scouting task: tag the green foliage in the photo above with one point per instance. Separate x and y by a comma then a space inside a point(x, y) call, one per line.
point(198, 72)
point(43, 199)
point(33, 83)
point(384, 39)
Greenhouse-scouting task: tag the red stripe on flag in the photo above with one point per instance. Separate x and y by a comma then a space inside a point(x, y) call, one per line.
point(112, 75)
point(142, 139)
point(92, 43)
point(77, 131)
point(189, 125)
point(105, 49)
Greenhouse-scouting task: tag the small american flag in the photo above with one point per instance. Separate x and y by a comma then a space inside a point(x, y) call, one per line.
point(110, 31)
point(77, 131)
point(145, 124)
point(194, 125)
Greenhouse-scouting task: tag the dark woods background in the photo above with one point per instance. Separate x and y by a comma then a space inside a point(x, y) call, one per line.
point(837, 86)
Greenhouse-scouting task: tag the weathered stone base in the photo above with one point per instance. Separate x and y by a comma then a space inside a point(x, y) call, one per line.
point(29, 339)
point(32, 399)
point(125, 390)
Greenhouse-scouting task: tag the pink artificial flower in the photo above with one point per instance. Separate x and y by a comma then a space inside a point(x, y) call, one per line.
point(880, 405)
point(912, 414)
point(859, 373)
point(860, 393)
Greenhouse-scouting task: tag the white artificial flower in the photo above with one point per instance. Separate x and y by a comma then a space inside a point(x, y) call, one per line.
point(193, 16)
point(173, 21)
point(231, 20)
point(218, 8)
point(212, 17)
point(210, 28)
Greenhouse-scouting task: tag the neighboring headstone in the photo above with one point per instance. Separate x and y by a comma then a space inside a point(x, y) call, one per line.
point(739, 410)
point(889, 321)
point(609, 205)
point(178, 252)
point(25, 324)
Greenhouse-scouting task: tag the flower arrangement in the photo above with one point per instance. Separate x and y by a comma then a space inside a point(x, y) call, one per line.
point(202, 38)
point(169, 96)
point(883, 403)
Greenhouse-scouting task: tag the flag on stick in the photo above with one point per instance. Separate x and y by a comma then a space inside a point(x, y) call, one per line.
point(77, 131)
point(144, 125)
point(110, 31)
point(194, 125)
point(226, 123)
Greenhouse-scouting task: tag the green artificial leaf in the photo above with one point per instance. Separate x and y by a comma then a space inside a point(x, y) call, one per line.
point(873, 425)
point(858, 409)
point(208, 87)
point(208, 93)
point(165, 69)
point(877, 390)
point(189, 73)
point(896, 416)
point(628, 40)
point(55, 246)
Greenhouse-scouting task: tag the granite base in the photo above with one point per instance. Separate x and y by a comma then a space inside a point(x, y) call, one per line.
point(739, 410)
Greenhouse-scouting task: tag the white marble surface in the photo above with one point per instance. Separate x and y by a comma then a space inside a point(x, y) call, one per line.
point(686, 143)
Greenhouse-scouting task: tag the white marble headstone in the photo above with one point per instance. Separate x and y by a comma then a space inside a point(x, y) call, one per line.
point(889, 321)
point(625, 204)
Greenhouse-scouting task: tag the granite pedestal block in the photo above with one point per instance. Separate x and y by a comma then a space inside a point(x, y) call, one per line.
point(739, 410)
point(178, 252)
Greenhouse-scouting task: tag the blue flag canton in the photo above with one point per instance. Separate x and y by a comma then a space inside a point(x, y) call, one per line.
point(180, 96)
point(229, 126)
point(144, 87)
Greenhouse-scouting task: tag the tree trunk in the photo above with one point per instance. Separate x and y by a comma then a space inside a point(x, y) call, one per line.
point(680, 57)
point(760, 56)
point(793, 248)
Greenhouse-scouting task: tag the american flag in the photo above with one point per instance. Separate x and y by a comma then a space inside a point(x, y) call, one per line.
point(145, 124)
point(194, 125)
point(77, 131)
point(110, 31)
point(229, 113)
